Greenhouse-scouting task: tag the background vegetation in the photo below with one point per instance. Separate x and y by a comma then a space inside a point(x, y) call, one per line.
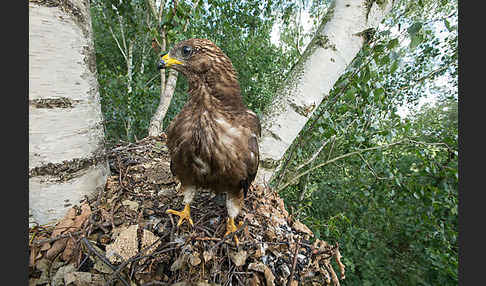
point(381, 182)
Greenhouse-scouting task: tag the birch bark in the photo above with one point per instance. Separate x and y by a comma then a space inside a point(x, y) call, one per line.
point(325, 59)
point(168, 84)
point(66, 138)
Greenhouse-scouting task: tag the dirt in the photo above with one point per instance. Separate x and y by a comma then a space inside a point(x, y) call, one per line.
point(124, 237)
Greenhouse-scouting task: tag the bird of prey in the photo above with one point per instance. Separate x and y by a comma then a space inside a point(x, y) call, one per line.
point(212, 141)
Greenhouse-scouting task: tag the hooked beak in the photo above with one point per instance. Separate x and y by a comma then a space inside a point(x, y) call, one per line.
point(167, 61)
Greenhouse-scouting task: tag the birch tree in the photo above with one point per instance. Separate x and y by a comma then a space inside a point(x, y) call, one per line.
point(337, 41)
point(66, 139)
point(167, 80)
point(127, 23)
point(129, 36)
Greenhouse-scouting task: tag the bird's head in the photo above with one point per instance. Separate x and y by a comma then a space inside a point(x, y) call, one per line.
point(195, 56)
point(204, 64)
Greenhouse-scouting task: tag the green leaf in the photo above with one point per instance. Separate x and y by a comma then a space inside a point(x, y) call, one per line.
point(394, 66)
point(415, 28)
point(447, 25)
point(379, 92)
point(392, 44)
point(415, 41)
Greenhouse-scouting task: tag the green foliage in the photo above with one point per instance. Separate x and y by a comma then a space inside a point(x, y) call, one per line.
point(127, 114)
point(393, 210)
point(241, 29)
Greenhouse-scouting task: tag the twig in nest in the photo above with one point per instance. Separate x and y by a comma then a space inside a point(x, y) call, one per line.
point(238, 278)
point(49, 240)
point(82, 262)
point(340, 264)
point(329, 252)
point(208, 238)
point(138, 256)
point(155, 283)
point(294, 262)
point(92, 250)
point(101, 225)
point(335, 280)
point(230, 236)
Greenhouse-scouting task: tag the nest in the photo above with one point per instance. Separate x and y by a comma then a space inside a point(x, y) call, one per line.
point(122, 235)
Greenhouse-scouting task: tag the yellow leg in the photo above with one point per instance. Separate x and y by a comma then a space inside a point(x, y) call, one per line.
point(185, 215)
point(231, 227)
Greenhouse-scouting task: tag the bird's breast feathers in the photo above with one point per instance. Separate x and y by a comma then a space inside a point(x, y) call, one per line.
point(210, 146)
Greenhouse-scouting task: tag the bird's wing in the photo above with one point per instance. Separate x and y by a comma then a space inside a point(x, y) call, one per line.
point(253, 123)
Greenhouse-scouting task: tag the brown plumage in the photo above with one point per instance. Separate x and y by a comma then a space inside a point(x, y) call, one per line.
point(213, 140)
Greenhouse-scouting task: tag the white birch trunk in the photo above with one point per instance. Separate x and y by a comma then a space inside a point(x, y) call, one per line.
point(167, 90)
point(130, 66)
point(67, 159)
point(336, 44)
point(166, 93)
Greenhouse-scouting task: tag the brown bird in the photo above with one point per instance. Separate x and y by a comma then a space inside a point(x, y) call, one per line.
point(213, 140)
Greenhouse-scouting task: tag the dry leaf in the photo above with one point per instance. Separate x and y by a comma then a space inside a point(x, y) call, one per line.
point(80, 219)
point(65, 223)
point(270, 235)
point(56, 248)
point(33, 254)
point(99, 265)
point(148, 239)
point(302, 228)
point(77, 278)
point(194, 259)
point(257, 266)
point(45, 246)
point(207, 255)
point(178, 263)
point(334, 278)
point(285, 270)
point(239, 257)
point(340, 264)
point(68, 250)
point(269, 277)
point(131, 204)
point(125, 245)
point(255, 281)
point(58, 278)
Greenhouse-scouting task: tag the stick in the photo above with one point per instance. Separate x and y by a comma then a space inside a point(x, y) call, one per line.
point(49, 240)
point(294, 262)
point(138, 256)
point(230, 236)
point(92, 250)
point(339, 158)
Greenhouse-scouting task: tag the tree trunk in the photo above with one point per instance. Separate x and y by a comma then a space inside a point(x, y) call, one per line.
point(130, 66)
point(166, 93)
point(167, 90)
point(335, 45)
point(67, 158)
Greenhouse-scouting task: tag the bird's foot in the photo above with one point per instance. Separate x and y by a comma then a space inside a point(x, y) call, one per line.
point(185, 215)
point(231, 227)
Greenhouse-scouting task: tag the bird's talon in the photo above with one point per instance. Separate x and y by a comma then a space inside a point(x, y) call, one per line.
point(231, 227)
point(185, 215)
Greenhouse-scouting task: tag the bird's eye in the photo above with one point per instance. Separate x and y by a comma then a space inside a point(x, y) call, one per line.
point(186, 51)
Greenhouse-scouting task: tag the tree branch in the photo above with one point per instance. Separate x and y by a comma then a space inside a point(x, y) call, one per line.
point(314, 156)
point(161, 9)
point(338, 158)
point(114, 37)
point(121, 30)
point(370, 168)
